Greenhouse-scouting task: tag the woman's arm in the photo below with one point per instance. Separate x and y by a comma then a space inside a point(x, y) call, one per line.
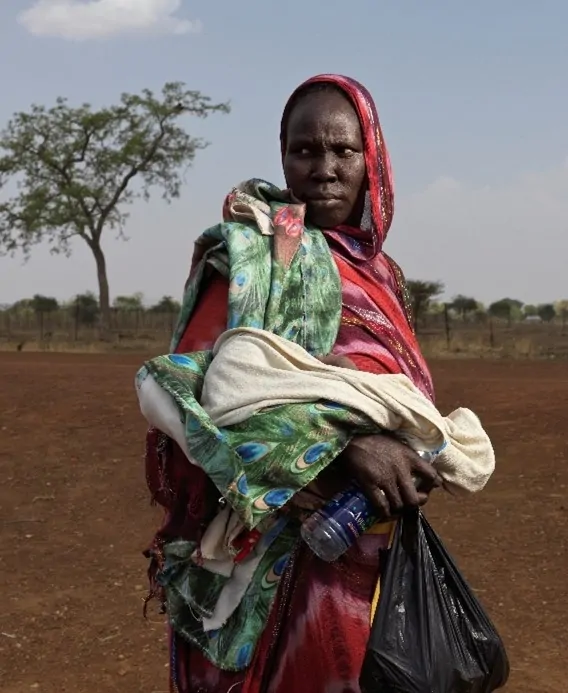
point(383, 467)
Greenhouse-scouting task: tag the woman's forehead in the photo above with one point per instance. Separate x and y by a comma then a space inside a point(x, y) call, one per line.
point(323, 110)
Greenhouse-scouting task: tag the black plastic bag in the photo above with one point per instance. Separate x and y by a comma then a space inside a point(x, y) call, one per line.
point(430, 633)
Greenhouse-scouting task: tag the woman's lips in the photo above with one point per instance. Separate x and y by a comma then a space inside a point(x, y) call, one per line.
point(324, 201)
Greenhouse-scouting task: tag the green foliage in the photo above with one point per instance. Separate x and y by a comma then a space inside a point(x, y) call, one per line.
point(44, 304)
point(436, 308)
point(422, 294)
point(86, 308)
point(129, 303)
point(464, 305)
point(22, 307)
point(546, 312)
point(166, 305)
point(529, 311)
point(506, 309)
point(75, 168)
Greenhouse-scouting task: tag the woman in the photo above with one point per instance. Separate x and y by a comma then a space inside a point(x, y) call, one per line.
point(337, 168)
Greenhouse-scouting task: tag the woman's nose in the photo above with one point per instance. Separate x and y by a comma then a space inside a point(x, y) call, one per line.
point(324, 170)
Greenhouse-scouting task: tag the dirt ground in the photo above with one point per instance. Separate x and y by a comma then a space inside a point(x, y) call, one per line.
point(75, 517)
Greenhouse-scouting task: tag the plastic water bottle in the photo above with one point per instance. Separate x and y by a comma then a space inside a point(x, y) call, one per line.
point(329, 532)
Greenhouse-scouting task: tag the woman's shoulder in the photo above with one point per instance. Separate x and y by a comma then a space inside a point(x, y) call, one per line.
point(252, 204)
point(254, 209)
point(261, 191)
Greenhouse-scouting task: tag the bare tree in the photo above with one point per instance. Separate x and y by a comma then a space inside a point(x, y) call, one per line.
point(75, 169)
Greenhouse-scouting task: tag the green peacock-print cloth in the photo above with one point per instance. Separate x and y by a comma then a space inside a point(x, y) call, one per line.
point(283, 279)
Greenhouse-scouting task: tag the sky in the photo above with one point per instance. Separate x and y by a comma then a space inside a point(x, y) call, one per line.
point(472, 98)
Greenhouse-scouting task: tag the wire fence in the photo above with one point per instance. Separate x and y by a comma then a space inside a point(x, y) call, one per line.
point(70, 325)
point(438, 333)
point(444, 333)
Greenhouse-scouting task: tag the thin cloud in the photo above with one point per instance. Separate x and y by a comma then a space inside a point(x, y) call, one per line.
point(488, 241)
point(101, 19)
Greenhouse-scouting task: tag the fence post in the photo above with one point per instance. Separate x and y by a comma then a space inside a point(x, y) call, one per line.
point(491, 334)
point(447, 326)
point(76, 323)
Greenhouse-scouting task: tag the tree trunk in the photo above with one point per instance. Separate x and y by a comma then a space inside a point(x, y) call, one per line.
point(447, 326)
point(104, 294)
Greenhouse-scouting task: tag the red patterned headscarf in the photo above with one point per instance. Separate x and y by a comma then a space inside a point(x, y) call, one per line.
point(379, 173)
point(376, 329)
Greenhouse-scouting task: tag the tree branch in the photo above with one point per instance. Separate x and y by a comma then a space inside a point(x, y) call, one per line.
point(63, 171)
point(128, 177)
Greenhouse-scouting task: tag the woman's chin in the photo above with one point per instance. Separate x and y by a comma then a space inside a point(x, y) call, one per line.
point(327, 214)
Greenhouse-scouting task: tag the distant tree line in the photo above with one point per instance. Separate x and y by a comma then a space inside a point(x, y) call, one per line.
point(424, 299)
point(86, 308)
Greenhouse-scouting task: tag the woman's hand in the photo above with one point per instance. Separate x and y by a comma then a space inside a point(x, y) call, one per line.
point(384, 468)
point(319, 492)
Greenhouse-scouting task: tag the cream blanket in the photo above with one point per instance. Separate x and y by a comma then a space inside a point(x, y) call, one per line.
point(254, 369)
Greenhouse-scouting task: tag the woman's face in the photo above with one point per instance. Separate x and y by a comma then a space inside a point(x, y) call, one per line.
point(324, 161)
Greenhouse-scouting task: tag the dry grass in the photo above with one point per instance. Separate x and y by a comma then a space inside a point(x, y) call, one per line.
point(483, 341)
point(499, 342)
point(138, 346)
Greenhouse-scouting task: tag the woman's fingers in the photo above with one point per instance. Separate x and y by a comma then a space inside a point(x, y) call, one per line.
point(394, 496)
point(422, 498)
point(427, 475)
point(392, 475)
point(379, 499)
point(408, 492)
point(416, 480)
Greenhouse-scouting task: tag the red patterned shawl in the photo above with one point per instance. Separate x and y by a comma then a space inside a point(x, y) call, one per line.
point(376, 323)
